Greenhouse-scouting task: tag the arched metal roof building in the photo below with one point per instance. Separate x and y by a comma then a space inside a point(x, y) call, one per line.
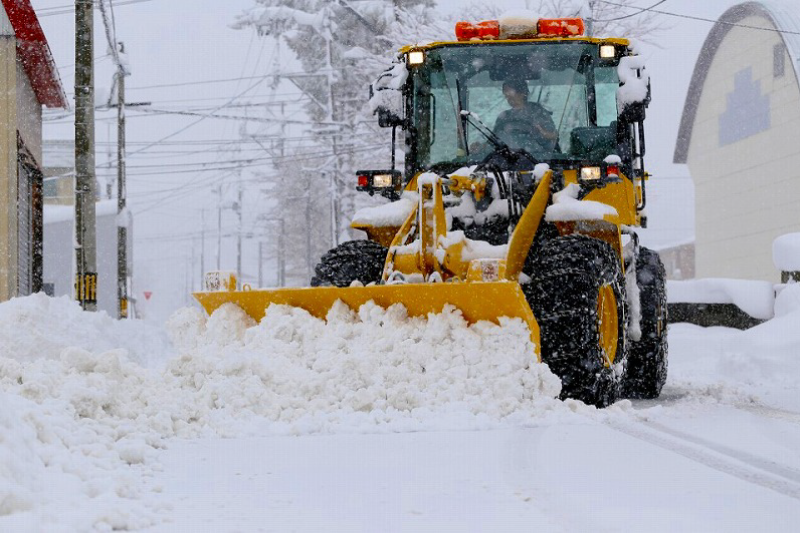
point(740, 136)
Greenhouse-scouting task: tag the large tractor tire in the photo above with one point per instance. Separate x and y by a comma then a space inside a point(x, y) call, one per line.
point(577, 293)
point(348, 262)
point(646, 370)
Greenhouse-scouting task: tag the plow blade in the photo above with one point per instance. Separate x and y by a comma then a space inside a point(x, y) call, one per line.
point(477, 301)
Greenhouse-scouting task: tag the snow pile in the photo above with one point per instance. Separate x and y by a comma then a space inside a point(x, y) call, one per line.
point(634, 81)
point(38, 326)
point(378, 364)
point(81, 420)
point(71, 457)
point(757, 365)
point(756, 298)
point(566, 207)
point(472, 249)
point(386, 215)
point(786, 252)
point(788, 300)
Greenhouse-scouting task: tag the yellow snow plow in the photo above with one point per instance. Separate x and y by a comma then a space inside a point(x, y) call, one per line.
point(523, 182)
point(482, 289)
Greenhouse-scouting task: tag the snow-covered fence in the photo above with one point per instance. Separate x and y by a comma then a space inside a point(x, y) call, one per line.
point(731, 303)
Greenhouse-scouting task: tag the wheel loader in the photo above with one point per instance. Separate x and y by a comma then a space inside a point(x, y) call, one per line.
point(529, 214)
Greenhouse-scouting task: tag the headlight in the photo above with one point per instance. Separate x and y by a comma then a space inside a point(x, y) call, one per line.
point(382, 180)
point(417, 57)
point(607, 51)
point(590, 173)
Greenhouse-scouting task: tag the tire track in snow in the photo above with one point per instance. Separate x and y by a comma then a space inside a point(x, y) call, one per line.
point(770, 412)
point(742, 465)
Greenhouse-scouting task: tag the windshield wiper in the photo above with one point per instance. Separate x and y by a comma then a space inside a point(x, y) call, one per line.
point(484, 130)
point(461, 125)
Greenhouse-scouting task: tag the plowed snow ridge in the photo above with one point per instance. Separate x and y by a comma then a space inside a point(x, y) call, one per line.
point(82, 394)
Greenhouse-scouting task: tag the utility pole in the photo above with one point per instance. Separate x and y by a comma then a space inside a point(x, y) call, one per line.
point(202, 248)
point(239, 230)
point(219, 226)
point(122, 215)
point(327, 31)
point(85, 231)
point(282, 255)
point(590, 25)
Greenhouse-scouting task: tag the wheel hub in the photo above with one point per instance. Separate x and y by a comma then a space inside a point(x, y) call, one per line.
point(607, 323)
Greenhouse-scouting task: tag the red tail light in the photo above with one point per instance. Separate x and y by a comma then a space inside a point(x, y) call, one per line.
point(612, 170)
point(363, 181)
point(561, 27)
point(488, 29)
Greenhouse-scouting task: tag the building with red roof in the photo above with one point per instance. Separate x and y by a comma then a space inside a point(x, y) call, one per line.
point(29, 80)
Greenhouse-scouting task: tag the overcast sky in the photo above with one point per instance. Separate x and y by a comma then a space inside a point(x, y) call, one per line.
point(184, 46)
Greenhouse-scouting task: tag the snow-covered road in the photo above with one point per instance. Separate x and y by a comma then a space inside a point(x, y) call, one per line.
point(701, 467)
point(106, 425)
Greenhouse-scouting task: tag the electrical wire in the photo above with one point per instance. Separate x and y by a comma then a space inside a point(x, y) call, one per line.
point(702, 19)
point(68, 9)
point(641, 10)
point(202, 118)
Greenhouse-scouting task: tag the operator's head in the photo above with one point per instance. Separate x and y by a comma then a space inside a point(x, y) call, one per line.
point(516, 92)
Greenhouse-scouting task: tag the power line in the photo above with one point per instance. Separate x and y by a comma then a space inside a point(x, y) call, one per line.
point(181, 130)
point(641, 10)
point(702, 19)
point(70, 9)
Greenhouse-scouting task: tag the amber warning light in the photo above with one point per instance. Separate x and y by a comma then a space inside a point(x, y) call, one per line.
point(493, 29)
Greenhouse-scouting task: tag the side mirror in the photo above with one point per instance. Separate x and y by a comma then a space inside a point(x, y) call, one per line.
point(387, 119)
point(385, 102)
point(632, 113)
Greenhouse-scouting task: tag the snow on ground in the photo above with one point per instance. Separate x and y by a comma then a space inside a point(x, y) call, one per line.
point(89, 396)
point(376, 421)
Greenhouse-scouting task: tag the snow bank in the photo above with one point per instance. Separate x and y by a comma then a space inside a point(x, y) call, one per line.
point(38, 326)
point(788, 300)
point(754, 366)
point(786, 252)
point(756, 298)
point(84, 407)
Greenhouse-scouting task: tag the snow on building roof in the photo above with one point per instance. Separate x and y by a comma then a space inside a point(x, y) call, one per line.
point(34, 53)
point(785, 18)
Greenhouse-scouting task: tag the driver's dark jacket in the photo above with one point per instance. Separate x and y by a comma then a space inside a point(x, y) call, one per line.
point(516, 128)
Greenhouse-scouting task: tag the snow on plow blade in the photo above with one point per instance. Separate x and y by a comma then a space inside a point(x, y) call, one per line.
point(476, 300)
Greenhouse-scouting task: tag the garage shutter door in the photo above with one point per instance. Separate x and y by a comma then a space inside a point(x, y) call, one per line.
point(24, 231)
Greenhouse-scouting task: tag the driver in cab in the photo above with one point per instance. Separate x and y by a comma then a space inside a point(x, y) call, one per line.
point(526, 125)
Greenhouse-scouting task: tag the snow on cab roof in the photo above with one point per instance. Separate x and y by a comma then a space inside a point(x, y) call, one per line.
point(781, 13)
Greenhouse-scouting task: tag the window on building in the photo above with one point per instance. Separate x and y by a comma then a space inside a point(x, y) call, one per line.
point(778, 60)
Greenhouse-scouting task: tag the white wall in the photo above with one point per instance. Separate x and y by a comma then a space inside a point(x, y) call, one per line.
point(748, 191)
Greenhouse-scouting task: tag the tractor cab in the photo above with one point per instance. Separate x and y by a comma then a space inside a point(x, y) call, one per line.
point(518, 93)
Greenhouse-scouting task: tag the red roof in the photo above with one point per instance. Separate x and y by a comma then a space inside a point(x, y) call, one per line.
point(34, 54)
